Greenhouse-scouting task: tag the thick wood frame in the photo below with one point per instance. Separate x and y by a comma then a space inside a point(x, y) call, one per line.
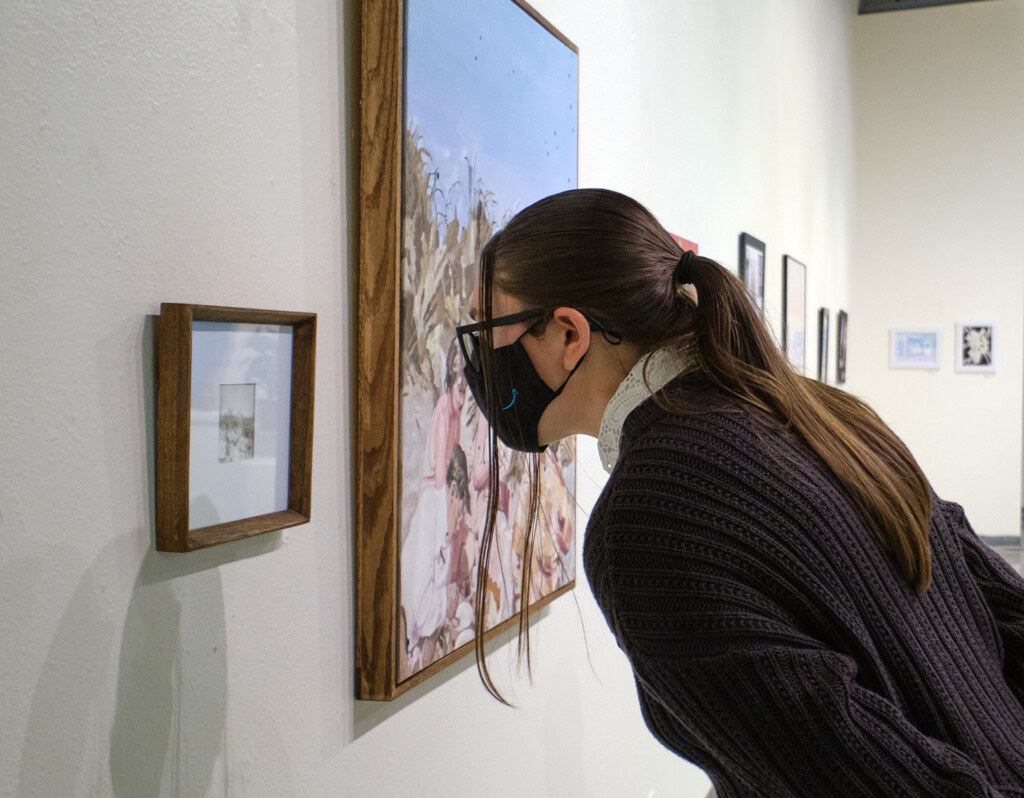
point(173, 333)
point(377, 427)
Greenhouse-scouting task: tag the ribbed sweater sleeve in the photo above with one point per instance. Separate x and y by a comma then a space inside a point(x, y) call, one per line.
point(729, 609)
point(792, 721)
point(779, 712)
point(1003, 589)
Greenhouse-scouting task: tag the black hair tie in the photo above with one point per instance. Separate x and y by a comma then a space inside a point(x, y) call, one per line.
point(683, 273)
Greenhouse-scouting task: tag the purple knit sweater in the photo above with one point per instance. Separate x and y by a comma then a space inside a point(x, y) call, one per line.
point(773, 641)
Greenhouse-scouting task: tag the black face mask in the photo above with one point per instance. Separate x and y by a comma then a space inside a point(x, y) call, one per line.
point(521, 395)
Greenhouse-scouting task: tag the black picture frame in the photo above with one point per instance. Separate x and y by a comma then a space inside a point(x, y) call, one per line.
point(823, 315)
point(794, 305)
point(841, 326)
point(752, 263)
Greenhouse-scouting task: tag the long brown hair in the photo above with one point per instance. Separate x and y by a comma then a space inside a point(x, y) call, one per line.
point(605, 254)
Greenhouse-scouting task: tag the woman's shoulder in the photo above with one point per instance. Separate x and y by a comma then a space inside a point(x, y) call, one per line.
point(694, 416)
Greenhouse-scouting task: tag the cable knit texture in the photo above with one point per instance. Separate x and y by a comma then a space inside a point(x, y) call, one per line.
point(773, 641)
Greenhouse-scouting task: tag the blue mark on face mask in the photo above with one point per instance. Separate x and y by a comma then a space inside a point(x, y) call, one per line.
point(514, 393)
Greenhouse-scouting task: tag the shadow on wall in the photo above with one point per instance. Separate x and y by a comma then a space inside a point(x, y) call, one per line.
point(171, 711)
point(171, 682)
point(65, 703)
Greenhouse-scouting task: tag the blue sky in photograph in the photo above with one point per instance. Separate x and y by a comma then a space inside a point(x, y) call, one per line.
point(485, 81)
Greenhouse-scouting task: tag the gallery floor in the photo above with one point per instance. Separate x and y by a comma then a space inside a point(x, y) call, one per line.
point(1012, 554)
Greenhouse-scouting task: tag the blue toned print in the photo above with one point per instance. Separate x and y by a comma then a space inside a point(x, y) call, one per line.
point(480, 91)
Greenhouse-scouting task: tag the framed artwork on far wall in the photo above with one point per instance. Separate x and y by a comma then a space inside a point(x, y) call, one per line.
point(915, 348)
point(794, 322)
point(841, 325)
point(684, 243)
point(234, 423)
point(976, 347)
point(823, 344)
point(751, 266)
point(469, 114)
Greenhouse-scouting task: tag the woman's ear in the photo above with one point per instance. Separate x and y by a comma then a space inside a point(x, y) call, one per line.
point(574, 331)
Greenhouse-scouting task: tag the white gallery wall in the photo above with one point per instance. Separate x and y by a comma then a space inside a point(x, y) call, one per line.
point(939, 238)
point(207, 153)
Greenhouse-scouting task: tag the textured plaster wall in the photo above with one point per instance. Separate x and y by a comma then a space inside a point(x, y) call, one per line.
point(204, 153)
point(939, 238)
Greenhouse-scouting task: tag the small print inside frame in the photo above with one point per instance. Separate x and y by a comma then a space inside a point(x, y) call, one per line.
point(234, 423)
point(488, 125)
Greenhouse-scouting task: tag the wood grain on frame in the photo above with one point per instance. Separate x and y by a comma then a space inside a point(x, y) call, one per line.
point(376, 458)
point(173, 339)
point(377, 467)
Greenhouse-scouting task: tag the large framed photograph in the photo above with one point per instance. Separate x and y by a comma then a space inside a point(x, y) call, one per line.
point(794, 309)
point(469, 113)
point(823, 344)
point(234, 426)
point(915, 348)
point(841, 327)
point(751, 266)
point(976, 347)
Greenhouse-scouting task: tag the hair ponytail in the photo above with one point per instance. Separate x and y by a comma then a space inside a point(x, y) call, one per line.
point(730, 342)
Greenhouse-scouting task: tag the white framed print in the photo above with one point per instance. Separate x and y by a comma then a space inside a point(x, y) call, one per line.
point(917, 348)
point(975, 347)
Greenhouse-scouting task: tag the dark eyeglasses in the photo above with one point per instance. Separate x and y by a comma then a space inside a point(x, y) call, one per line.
point(469, 335)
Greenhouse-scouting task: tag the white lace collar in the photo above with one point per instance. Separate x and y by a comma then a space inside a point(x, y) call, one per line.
point(664, 365)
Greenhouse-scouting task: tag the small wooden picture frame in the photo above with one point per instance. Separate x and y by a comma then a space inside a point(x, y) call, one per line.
point(234, 423)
